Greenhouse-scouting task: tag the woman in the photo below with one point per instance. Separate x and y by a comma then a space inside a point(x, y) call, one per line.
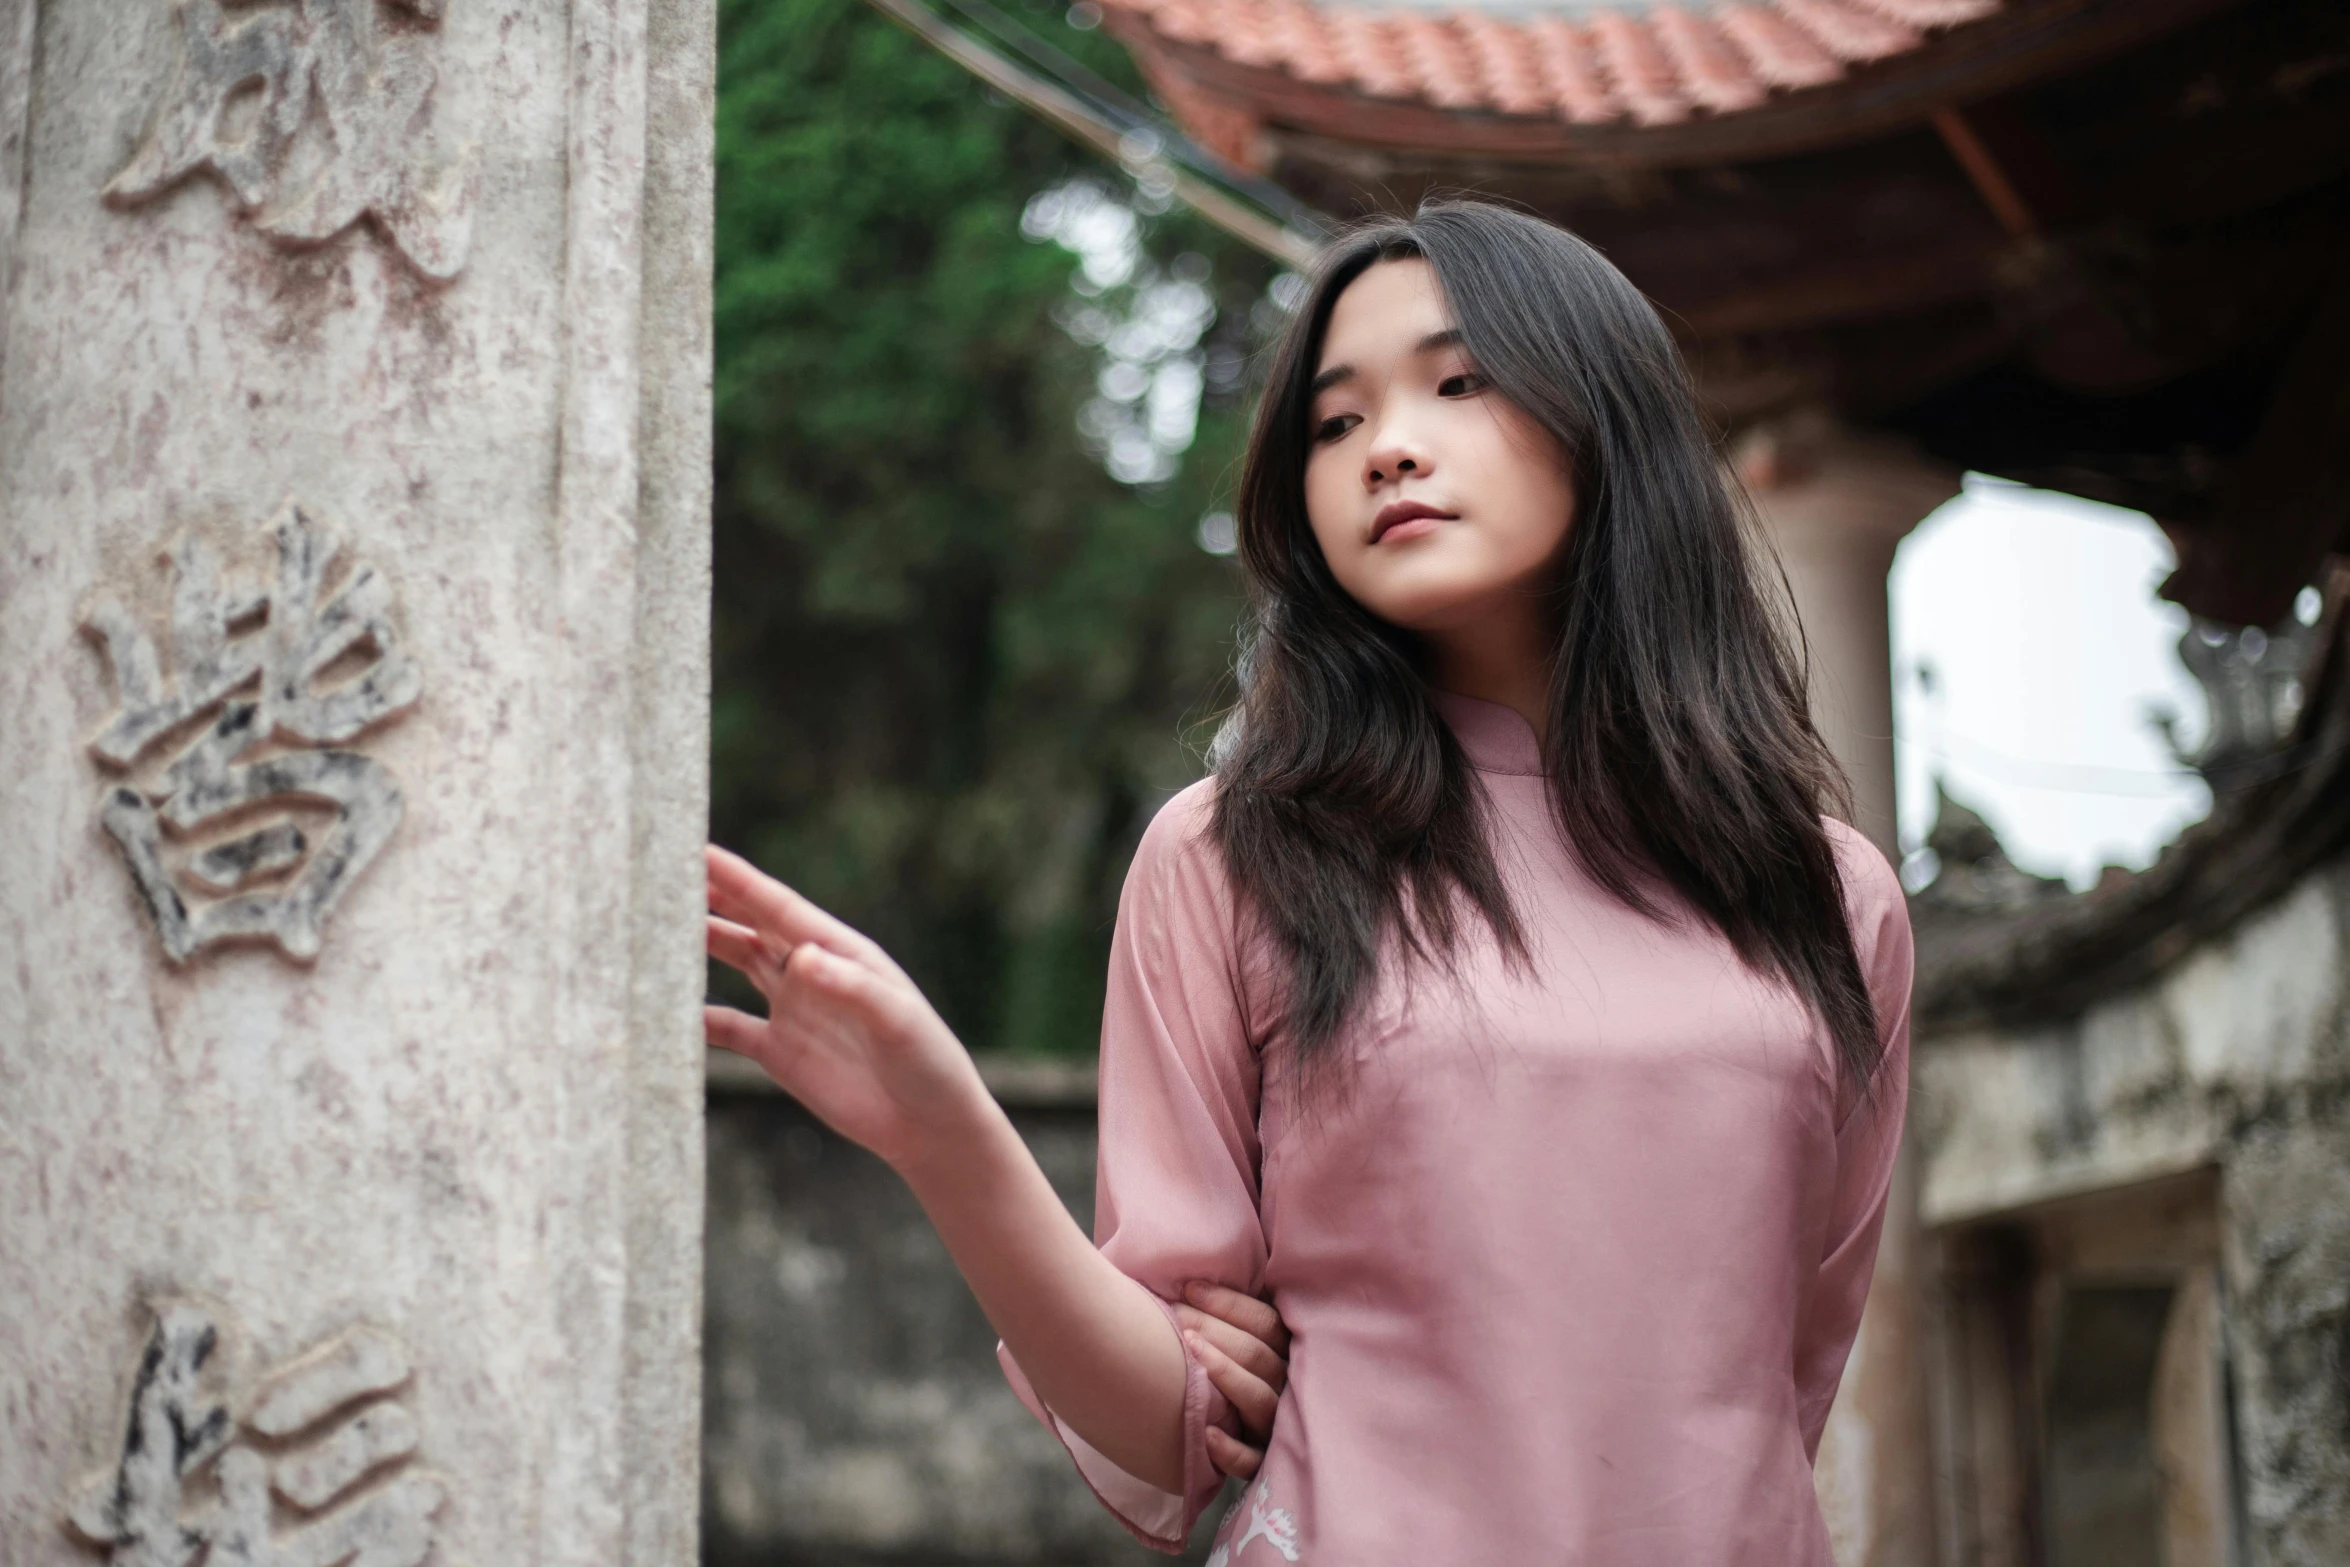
point(1504, 1007)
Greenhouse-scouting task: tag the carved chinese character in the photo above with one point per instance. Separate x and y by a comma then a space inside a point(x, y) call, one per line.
point(239, 812)
point(315, 1473)
point(334, 89)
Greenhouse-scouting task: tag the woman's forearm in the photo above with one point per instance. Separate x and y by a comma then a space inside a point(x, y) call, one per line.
point(849, 1036)
point(1096, 1347)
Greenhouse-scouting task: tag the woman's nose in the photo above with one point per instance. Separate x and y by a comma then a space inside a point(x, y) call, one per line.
point(1394, 456)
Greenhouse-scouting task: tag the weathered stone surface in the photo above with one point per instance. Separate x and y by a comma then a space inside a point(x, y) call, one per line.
point(336, 1427)
point(2287, 1236)
point(248, 661)
point(342, 124)
point(853, 1411)
point(2237, 1059)
point(2247, 1031)
point(418, 1158)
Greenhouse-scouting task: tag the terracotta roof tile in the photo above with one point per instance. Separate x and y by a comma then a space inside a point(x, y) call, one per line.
point(1251, 36)
point(1186, 21)
point(1848, 32)
point(1933, 13)
point(1297, 28)
point(1712, 73)
point(1227, 130)
point(1650, 63)
point(1366, 46)
point(1783, 54)
point(1433, 50)
point(1506, 64)
point(1570, 64)
point(1638, 67)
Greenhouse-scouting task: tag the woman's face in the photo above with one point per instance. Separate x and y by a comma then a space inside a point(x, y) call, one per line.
point(1437, 502)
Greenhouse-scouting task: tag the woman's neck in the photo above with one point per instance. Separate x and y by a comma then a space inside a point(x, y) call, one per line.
point(1495, 662)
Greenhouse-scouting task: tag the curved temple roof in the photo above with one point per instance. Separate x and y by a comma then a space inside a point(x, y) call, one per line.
point(1583, 62)
point(1623, 82)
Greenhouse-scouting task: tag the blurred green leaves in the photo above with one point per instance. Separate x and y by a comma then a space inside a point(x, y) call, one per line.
point(955, 660)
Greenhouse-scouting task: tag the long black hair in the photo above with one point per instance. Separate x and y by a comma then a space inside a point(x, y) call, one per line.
point(1680, 749)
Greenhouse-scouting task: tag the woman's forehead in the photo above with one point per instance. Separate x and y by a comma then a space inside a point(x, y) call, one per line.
point(1385, 313)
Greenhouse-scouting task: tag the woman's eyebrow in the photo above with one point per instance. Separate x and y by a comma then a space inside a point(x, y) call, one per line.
point(1449, 337)
point(1330, 378)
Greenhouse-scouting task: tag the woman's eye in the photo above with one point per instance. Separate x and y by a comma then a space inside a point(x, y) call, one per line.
point(1461, 385)
point(1336, 425)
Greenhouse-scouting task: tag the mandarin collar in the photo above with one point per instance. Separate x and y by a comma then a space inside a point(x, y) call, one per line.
point(1495, 738)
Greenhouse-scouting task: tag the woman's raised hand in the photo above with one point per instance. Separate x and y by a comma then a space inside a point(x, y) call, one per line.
point(846, 1033)
point(849, 1036)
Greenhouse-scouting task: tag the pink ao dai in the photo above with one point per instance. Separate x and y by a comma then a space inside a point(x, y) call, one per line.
point(1572, 1258)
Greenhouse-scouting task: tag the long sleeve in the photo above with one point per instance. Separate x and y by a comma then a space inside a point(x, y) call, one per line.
point(1176, 1188)
point(1868, 1140)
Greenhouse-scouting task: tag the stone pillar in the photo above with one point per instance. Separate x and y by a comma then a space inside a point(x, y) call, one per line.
point(1835, 505)
point(353, 601)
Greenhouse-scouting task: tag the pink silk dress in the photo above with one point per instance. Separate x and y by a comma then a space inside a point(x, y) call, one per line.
point(1572, 1255)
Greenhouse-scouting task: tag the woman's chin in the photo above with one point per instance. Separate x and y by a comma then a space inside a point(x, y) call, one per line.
point(1428, 596)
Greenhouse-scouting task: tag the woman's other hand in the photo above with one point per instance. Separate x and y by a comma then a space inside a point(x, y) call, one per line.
point(1244, 1348)
point(846, 1033)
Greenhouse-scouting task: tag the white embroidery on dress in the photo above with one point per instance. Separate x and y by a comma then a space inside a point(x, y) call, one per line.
point(1276, 1526)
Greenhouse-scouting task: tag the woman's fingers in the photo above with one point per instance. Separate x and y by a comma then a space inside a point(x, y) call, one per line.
point(1248, 1393)
point(1252, 1354)
point(876, 999)
point(1232, 1456)
point(1252, 1316)
point(739, 1032)
point(743, 893)
point(739, 947)
point(748, 897)
point(1241, 1344)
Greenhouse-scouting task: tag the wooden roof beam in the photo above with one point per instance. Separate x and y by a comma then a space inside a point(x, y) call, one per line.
point(2287, 504)
point(1984, 172)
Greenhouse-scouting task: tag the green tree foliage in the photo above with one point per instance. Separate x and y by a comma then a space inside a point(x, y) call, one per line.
point(956, 663)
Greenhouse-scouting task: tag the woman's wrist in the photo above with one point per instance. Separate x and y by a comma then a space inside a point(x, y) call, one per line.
point(956, 1139)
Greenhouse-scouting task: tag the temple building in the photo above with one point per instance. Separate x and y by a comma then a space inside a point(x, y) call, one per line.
point(2097, 246)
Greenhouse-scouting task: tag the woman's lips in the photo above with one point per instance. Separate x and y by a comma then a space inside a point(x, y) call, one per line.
point(1395, 514)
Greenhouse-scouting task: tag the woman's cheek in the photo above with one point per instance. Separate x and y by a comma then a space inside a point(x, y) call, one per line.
point(1326, 516)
